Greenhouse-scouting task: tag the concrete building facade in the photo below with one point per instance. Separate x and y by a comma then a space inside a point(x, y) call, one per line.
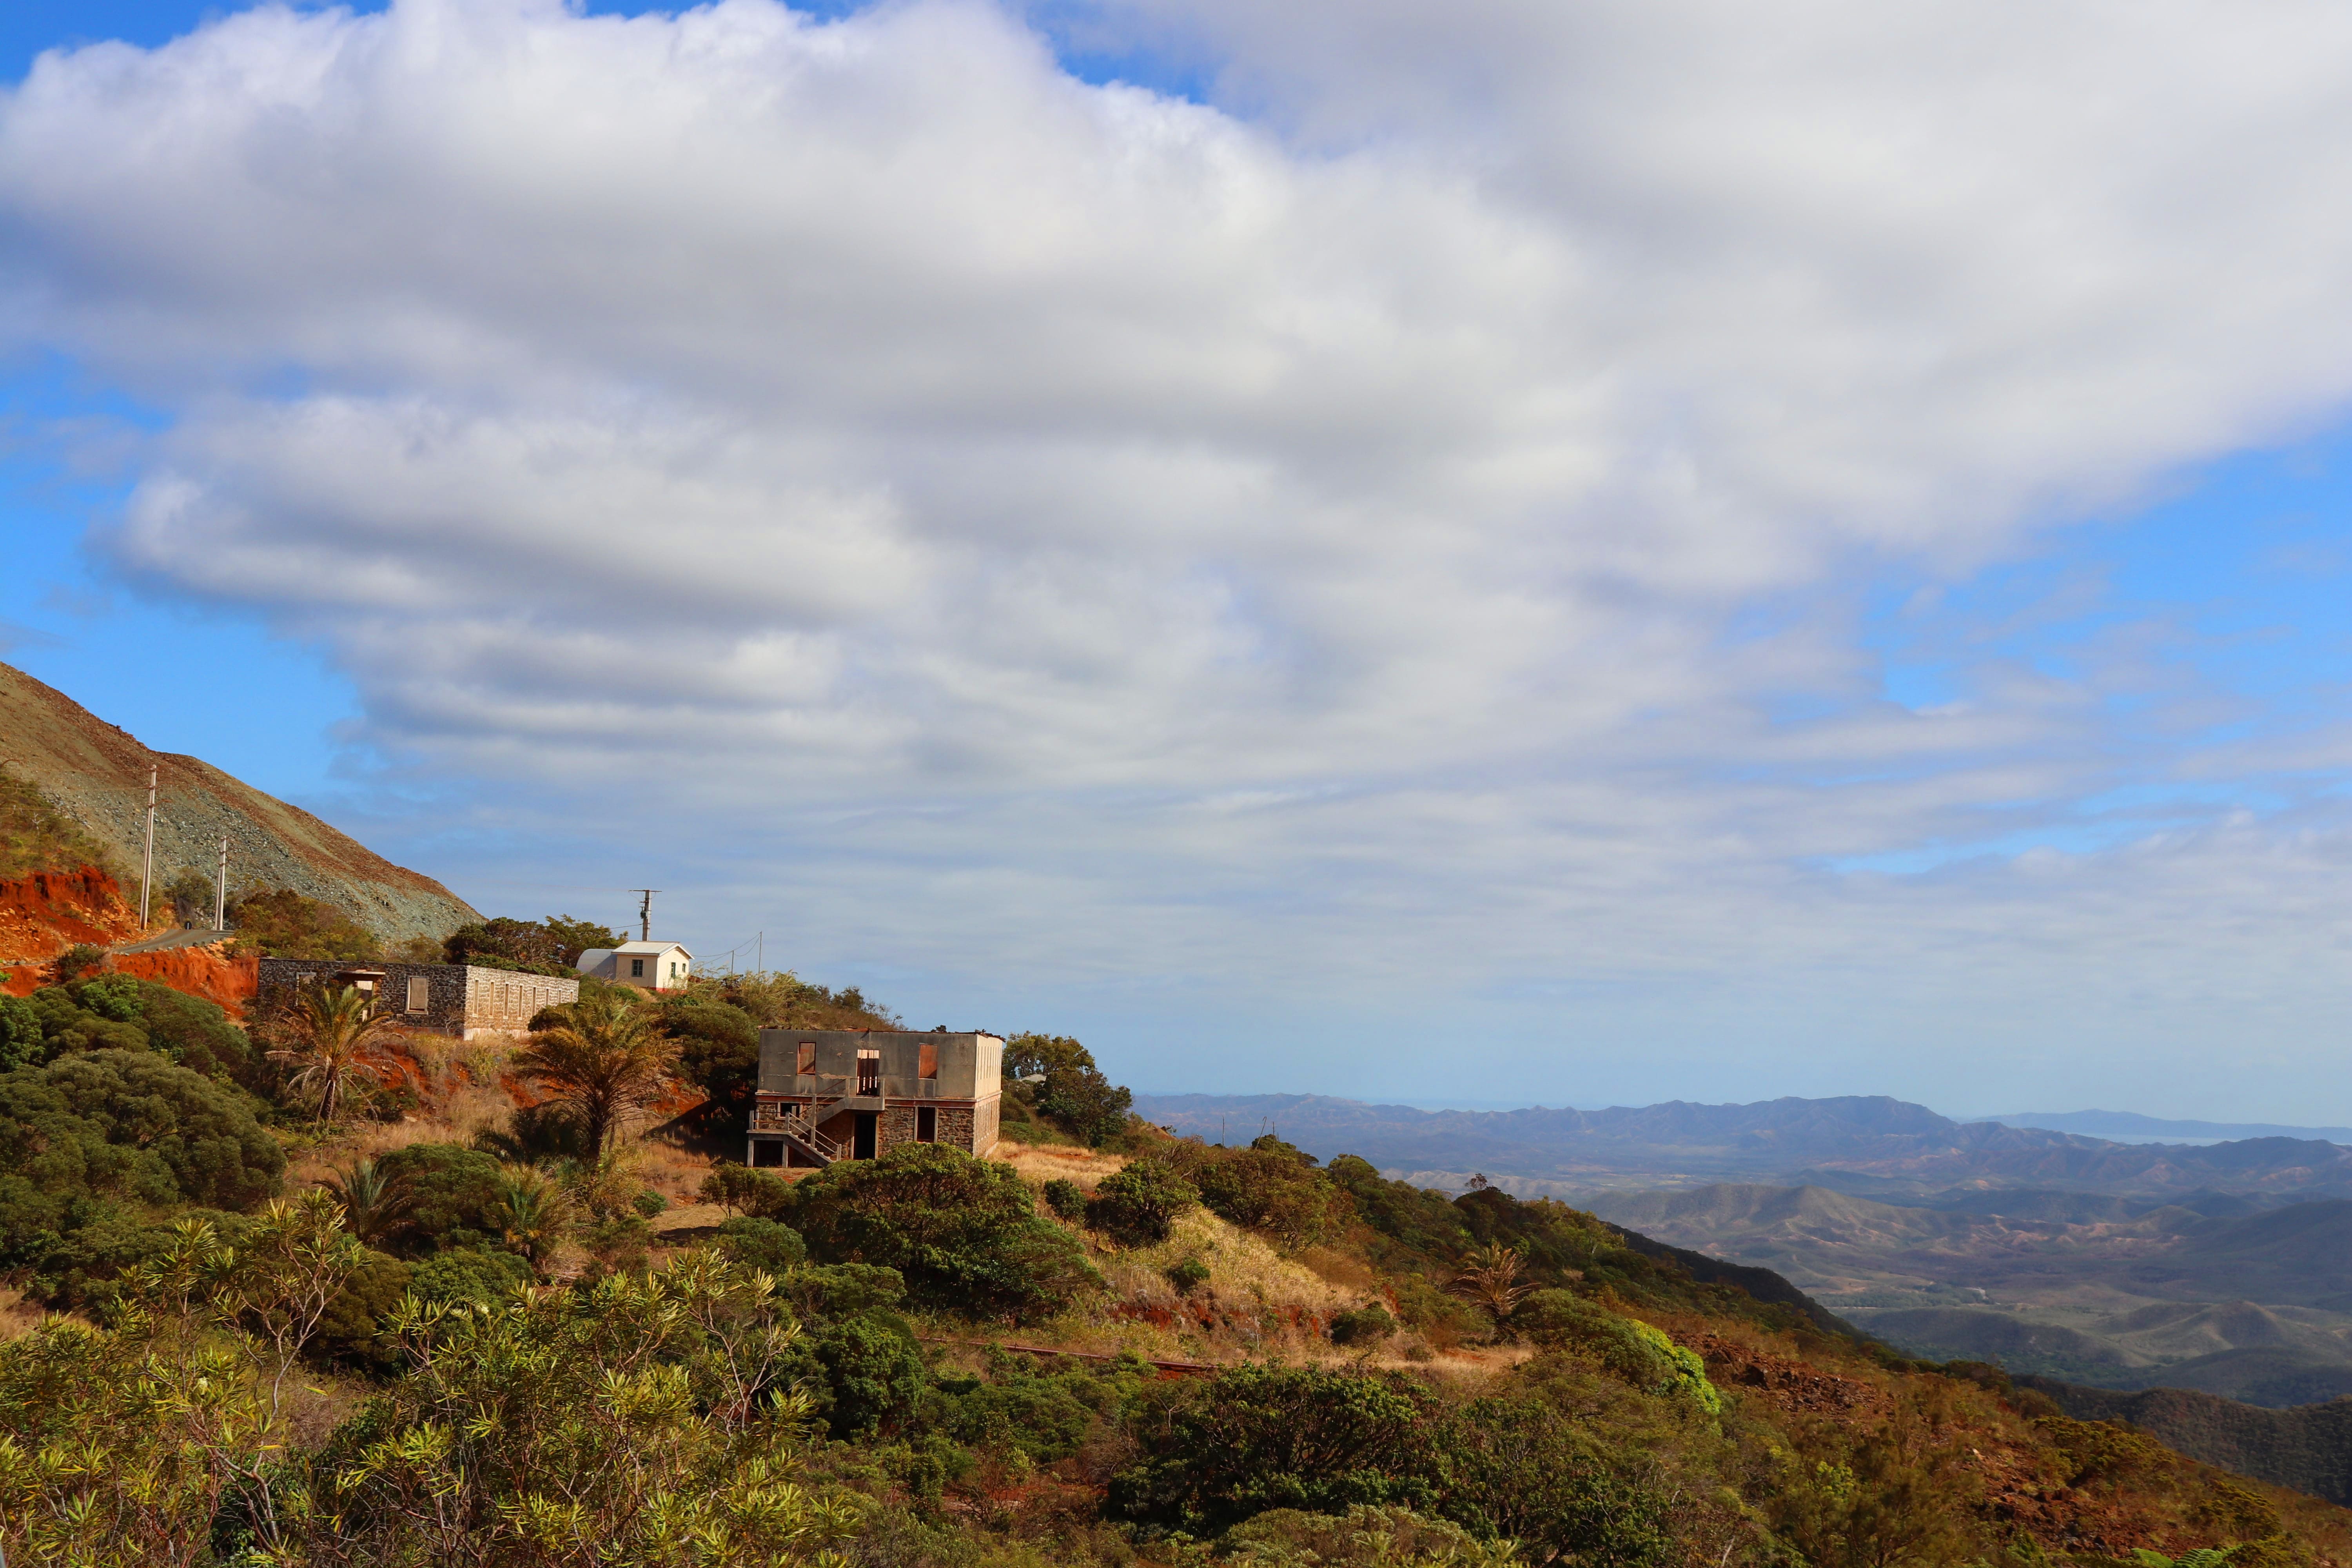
point(646, 965)
point(852, 1094)
point(460, 999)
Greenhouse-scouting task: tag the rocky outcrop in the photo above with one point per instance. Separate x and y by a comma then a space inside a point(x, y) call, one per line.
point(96, 774)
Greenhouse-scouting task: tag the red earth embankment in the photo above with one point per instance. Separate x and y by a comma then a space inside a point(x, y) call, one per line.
point(206, 972)
point(43, 914)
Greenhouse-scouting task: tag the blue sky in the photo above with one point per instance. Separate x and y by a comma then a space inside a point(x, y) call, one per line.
point(1382, 533)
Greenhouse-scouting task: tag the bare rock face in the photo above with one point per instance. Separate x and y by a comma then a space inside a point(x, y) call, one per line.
point(97, 774)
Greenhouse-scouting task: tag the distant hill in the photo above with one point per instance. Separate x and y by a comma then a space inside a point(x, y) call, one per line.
point(96, 774)
point(2130, 1127)
point(2308, 1449)
point(1869, 1145)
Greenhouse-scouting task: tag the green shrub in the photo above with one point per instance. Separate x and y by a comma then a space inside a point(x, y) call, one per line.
point(1138, 1207)
point(468, 1274)
point(1066, 1198)
point(718, 1051)
point(1046, 1415)
point(738, 1189)
point(456, 1197)
point(197, 1035)
point(130, 1124)
point(347, 1330)
point(840, 1290)
point(963, 1232)
point(76, 961)
point(761, 1244)
point(282, 923)
point(20, 1034)
point(870, 1371)
point(1266, 1190)
point(1188, 1275)
point(1522, 1469)
point(1074, 1095)
point(1642, 1355)
point(1363, 1537)
point(649, 1204)
point(1259, 1437)
point(1365, 1325)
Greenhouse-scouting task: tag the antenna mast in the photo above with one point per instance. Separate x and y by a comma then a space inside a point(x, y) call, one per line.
point(220, 889)
point(645, 912)
point(147, 871)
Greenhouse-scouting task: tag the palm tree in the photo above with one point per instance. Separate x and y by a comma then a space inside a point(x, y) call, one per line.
point(373, 1202)
point(331, 1038)
point(608, 1062)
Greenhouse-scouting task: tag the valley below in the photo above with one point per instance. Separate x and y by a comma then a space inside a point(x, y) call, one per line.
point(2215, 1294)
point(2219, 1267)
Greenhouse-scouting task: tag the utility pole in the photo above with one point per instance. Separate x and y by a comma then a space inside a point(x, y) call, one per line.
point(646, 914)
point(220, 889)
point(759, 953)
point(147, 872)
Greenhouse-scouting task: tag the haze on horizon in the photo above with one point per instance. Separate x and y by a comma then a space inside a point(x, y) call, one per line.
point(1587, 554)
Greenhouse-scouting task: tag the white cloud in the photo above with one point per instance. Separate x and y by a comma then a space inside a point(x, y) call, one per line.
point(1300, 544)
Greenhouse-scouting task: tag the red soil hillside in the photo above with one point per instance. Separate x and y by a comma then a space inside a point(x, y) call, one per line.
point(43, 914)
point(96, 773)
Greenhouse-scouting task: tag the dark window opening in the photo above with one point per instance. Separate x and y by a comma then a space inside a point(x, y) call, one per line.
point(927, 1124)
point(869, 1071)
point(862, 1145)
point(636, 969)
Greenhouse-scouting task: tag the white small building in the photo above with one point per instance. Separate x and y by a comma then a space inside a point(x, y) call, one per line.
point(647, 966)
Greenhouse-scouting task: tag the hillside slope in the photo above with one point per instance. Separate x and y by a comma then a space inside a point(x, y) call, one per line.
point(97, 774)
point(2308, 1449)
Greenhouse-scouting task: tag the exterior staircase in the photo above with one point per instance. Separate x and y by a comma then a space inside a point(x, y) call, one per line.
point(799, 1125)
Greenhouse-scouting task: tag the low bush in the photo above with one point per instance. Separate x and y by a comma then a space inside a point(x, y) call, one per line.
point(761, 1244)
point(454, 1197)
point(1267, 1191)
point(1066, 1198)
point(1188, 1275)
point(1365, 1325)
point(475, 1274)
point(738, 1189)
point(963, 1232)
point(1138, 1207)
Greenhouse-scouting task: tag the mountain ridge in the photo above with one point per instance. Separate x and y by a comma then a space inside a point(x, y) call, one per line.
point(96, 773)
point(1870, 1144)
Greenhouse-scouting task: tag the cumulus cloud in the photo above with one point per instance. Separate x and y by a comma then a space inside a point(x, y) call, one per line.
point(1403, 517)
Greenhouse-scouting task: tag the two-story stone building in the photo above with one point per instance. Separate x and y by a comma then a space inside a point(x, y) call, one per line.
point(460, 999)
point(850, 1094)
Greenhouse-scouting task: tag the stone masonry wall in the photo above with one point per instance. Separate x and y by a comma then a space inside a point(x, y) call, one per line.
point(460, 998)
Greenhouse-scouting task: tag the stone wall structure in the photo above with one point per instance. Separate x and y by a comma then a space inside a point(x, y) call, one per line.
point(827, 1094)
point(460, 999)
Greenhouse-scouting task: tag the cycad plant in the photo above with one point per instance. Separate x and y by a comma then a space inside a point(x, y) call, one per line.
point(608, 1063)
point(333, 1039)
point(374, 1201)
point(532, 1214)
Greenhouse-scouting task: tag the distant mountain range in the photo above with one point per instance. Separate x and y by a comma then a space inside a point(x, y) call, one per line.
point(1869, 1145)
point(2130, 1127)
